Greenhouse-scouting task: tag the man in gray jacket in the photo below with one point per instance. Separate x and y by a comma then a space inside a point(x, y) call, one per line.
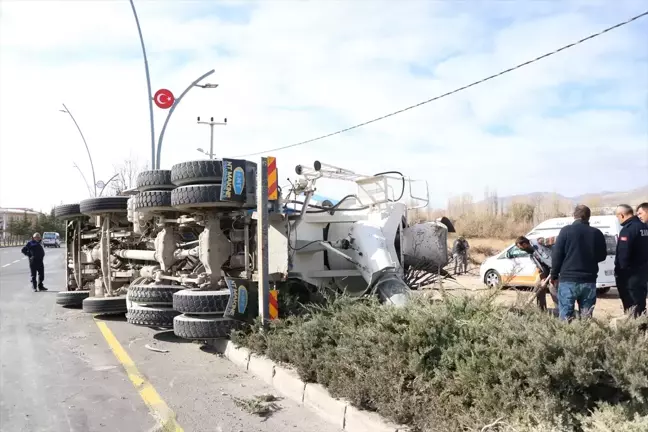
point(460, 254)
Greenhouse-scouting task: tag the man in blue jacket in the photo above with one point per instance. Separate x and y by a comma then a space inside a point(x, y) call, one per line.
point(575, 257)
point(631, 261)
point(35, 252)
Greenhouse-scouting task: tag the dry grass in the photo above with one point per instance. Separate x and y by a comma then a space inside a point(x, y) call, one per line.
point(482, 248)
point(482, 225)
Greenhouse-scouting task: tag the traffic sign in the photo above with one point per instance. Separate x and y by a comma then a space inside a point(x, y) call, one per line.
point(164, 99)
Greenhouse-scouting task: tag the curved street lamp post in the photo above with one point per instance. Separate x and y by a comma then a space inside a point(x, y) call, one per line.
point(83, 176)
point(155, 158)
point(94, 180)
point(175, 104)
point(107, 183)
point(148, 84)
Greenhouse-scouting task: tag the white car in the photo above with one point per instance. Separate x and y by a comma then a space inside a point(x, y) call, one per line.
point(514, 267)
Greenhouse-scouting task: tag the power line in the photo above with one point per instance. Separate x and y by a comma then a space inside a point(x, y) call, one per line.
point(457, 90)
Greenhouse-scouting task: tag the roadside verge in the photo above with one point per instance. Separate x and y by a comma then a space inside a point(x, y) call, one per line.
point(313, 396)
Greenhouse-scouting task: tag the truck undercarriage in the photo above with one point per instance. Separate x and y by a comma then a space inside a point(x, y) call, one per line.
point(184, 249)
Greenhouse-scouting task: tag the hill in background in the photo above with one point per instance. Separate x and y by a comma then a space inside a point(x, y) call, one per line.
point(509, 216)
point(633, 197)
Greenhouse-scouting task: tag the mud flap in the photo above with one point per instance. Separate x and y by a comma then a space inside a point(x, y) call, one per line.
point(243, 303)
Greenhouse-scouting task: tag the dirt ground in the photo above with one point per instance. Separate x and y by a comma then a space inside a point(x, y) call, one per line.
point(608, 306)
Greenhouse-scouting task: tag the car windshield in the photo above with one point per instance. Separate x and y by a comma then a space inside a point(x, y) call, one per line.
point(49, 236)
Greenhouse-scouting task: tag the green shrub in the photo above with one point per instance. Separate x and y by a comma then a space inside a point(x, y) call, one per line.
point(464, 363)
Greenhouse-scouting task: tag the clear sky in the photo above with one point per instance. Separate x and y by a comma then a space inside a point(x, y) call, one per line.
point(292, 70)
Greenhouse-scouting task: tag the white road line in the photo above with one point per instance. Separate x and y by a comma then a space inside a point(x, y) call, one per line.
point(6, 265)
point(15, 262)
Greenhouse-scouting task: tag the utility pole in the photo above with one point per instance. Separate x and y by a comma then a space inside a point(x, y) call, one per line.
point(211, 124)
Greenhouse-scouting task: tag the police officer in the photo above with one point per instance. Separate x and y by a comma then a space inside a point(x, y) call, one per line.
point(460, 254)
point(631, 262)
point(35, 252)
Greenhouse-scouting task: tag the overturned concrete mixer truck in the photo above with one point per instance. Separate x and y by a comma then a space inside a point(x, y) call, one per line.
point(183, 251)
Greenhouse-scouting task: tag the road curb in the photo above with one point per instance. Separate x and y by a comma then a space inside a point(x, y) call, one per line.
point(313, 396)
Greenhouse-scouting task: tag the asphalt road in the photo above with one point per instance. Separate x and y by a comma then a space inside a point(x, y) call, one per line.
point(58, 372)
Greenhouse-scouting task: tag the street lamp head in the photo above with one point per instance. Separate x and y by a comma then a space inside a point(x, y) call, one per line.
point(208, 85)
point(200, 150)
point(63, 111)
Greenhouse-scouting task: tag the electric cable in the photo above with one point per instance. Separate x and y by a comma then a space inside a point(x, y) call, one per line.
point(457, 90)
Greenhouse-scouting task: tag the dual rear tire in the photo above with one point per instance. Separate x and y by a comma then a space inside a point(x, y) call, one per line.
point(192, 314)
point(202, 315)
point(151, 305)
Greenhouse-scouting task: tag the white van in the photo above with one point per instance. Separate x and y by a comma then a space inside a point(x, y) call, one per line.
point(514, 267)
point(51, 239)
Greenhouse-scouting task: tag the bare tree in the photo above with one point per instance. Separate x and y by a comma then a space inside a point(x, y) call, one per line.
point(127, 172)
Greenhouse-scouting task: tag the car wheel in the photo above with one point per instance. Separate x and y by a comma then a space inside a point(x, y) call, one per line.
point(602, 291)
point(492, 279)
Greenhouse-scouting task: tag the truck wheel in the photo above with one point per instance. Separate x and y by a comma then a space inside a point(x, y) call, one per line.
point(204, 327)
point(151, 317)
point(200, 196)
point(67, 211)
point(94, 206)
point(197, 172)
point(71, 298)
point(153, 201)
point(105, 305)
point(154, 180)
point(201, 302)
point(153, 294)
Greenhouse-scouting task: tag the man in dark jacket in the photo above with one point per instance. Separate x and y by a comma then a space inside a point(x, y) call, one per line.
point(35, 252)
point(631, 261)
point(575, 257)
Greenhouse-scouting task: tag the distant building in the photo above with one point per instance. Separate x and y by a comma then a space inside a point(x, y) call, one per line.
point(9, 214)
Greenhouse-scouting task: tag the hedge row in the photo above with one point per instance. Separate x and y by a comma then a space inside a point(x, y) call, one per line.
point(464, 363)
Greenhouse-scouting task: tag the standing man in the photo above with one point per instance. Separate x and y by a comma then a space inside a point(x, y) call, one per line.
point(642, 212)
point(541, 257)
point(460, 254)
point(575, 257)
point(631, 262)
point(35, 252)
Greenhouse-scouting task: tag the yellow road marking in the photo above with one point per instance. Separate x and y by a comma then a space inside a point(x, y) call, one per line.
point(149, 395)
